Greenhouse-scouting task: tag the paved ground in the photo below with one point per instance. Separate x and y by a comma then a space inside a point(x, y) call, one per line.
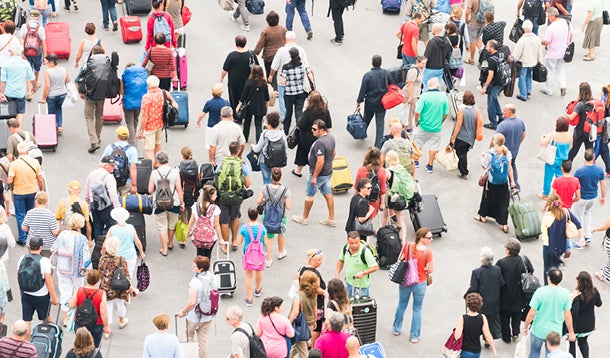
point(338, 72)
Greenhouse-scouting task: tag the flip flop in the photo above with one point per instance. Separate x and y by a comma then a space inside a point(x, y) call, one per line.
point(479, 219)
point(469, 61)
point(161, 252)
point(297, 174)
point(504, 229)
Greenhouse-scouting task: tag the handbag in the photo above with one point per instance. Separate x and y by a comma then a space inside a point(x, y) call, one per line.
point(293, 137)
point(186, 15)
point(447, 158)
point(529, 282)
point(301, 330)
point(253, 160)
point(517, 31)
point(393, 97)
point(569, 54)
point(548, 152)
point(452, 347)
point(606, 17)
point(149, 65)
point(412, 276)
point(364, 228)
point(399, 47)
point(539, 73)
point(356, 126)
point(459, 72)
point(571, 229)
point(308, 85)
point(483, 179)
point(398, 270)
point(143, 276)
point(241, 112)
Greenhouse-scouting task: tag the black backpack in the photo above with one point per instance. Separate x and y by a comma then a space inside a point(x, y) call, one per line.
point(375, 188)
point(504, 70)
point(86, 315)
point(188, 176)
point(275, 154)
point(121, 167)
point(119, 281)
point(29, 274)
point(207, 176)
point(531, 8)
point(257, 349)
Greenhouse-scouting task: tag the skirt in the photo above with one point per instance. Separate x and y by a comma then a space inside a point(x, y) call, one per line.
point(494, 202)
point(593, 33)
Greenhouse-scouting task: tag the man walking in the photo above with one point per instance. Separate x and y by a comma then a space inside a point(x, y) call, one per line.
point(237, 67)
point(589, 176)
point(13, 76)
point(223, 134)
point(40, 222)
point(299, 5)
point(409, 36)
point(513, 130)
point(321, 156)
point(493, 85)
point(530, 10)
point(475, 28)
point(566, 186)
point(374, 85)
point(101, 194)
point(336, 8)
point(438, 52)
point(558, 34)
point(125, 157)
point(359, 263)
point(432, 109)
point(18, 135)
point(528, 51)
point(412, 89)
point(17, 345)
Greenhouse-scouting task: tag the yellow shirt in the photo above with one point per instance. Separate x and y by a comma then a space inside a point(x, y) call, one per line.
point(64, 204)
point(24, 171)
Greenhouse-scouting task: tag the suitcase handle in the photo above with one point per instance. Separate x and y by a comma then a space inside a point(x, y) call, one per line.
point(46, 106)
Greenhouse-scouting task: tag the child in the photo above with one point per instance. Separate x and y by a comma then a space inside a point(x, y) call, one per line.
point(212, 107)
point(254, 253)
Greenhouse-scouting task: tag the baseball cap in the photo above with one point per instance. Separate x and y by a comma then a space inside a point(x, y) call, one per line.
point(35, 242)
point(107, 159)
point(74, 185)
point(122, 131)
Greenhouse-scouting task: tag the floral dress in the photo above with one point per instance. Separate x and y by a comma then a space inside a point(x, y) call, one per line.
point(109, 263)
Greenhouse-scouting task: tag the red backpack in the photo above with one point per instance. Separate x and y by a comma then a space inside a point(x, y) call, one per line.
point(204, 233)
point(594, 116)
point(32, 44)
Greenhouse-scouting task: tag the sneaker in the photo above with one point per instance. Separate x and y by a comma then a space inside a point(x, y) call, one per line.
point(546, 92)
point(524, 99)
point(414, 340)
point(66, 9)
point(245, 27)
point(429, 168)
point(587, 241)
point(115, 26)
point(248, 302)
point(258, 293)
point(463, 176)
point(282, 254)
point(93, 148)
point(106, 29)
point(124, 324)
point(416, 164)
point(231, 14)
point(309, 35)
point(396, 333)
point(300, 219)
point(607, 175)
point(268, 263)
point(331, 223)
point(576, 245)
point(563, 92)
point(490, 126)
point(336, 42)
point(515, 337)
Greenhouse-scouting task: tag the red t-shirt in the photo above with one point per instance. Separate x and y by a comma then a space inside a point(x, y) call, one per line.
point(97, 299)
point(422, 256)
point(410, 31)
point(565, 188)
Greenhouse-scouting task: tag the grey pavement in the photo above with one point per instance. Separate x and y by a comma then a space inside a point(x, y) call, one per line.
point(338, 73)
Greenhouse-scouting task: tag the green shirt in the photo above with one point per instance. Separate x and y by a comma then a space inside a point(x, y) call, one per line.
point(549, 302)
point(353, 264)
point(432, 106)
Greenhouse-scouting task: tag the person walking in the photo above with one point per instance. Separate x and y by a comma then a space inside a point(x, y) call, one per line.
point(15, 73)
point(513, 129)
point(109, 14)
point(492, 30)
point(164, 62)
point(423, 7)
point(360, 208)
point(468, 120)
point(86, 45)
point(373, 170)
point(577, 118)
point(104, 198)
point(475, 28)
point(222, 135)
point(128, 238)
point(304, 302)
point(359, 263)
point(372, 88)
point(591, 177)
point(567, 187)
point(412, 90)
point(556, 37)
point(528, 51)
point(317, 108)
point(158, 18)
point(592, 27)
point(18, 342)
point(237, 66)
point(562, 140)
point(270, 135)
point(408, 33)
point(604, 273)
point(40, 222)
point(161, 343)
point(313, 263)
point(438, 52)
point(271, 39)
point(110, 262)
point(151, 125)
point(252, 233)
point(255, 98)
point(125, 172)
point(206, 207)
point(299, 5)
point(212, 108)
point(293, 76)
point(274, 328)
point(55, 91)
point(336, 8)
point(133, 88)
point(584, 300)
point(471, 326)
point(401, 188)
point(98, 296)
point(272, 194)
point(493, 85)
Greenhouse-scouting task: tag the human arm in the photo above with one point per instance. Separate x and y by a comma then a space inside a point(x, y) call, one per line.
point(40, 181)
point(459, 328)
point(602, 185)
point(223, 73)
point(528, 320)
point(200, 118)
point(294, 310)
point(48, 279)
point(47, 87)
point(179, 191)
point(458, 125)
point(138, 244)
point(338, 269)
point(79, 53)
point(317, 169)
point(488, 337)
point(190, 304)
point(490, 76)
point(519, 4)
point(546, 139)
point(602, 227)
point(212, 155)
point(567, 318)
point(104, 313)
point(362, 92)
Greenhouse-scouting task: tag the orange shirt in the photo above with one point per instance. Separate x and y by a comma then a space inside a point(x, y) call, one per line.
point(423, 257)
point(152, 109)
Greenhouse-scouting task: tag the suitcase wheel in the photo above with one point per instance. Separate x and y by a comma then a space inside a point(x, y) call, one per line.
point(54, 148)
point(186, 125)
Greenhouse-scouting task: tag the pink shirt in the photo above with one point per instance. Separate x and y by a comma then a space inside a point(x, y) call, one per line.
point(557, 35)
point(274, 342)
point(332, 344)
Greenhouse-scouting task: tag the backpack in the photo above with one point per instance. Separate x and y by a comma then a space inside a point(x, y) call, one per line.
point(484, 6)
point(594, 118)
point(531, 8)
point(421, 8)
point(206, 175)
point(164, 197)
point(275, 154)
point(498, 169)
point(69, 254)
point(375, 188)
point(119, 281)
point(203, 232)
point(121, 167)
point(274, 213)
point(208, 302)
point(189, 176)
point(231, 181)
point(504, 71)
point(170, 113)
point(255, 7)
point(404, 154)
point(86, 315)
point(8, 10)
point(33, 150)
point(29, 273)
point(254, 258)
point(257, 348)
point(99, 195)
point(363, 253)
point(161, 25)
point(32, 44)
point(402, 183)
point(74, 208)
point(455, 61)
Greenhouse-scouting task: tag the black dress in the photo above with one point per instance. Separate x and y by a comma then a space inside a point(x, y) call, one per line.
point(488, 282)
point(237, 65)
point(306, 138)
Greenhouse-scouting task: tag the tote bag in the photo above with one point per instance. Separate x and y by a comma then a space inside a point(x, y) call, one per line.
point(412, 276)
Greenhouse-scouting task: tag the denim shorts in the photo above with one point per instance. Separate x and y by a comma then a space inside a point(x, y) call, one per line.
point(322, 184)
point(35, 62)
point(20, 102)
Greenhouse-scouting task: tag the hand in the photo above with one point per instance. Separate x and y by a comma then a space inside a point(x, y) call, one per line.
point(571, 337)
point(42, 101)
point(181, 314)
point(602, 201)
point(76, 65)
point(198, 125)
point(359, 274)
point(107, 330)
point(518, 13)
point(313, 181)
point(140, 135)
point(270, 79)
point(8, 208)
point(410, 100)
point(524, 331)
point(584, 26)
point(175, 79)
point(142, 255)
point(54, 301)
point(483, 90)
point(251, 146)
point(2, 98)
point(181, 207)
point(357, 106)
point(134, 189)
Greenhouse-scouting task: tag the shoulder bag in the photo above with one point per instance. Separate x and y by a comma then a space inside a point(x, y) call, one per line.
point(149, 65)
point(399, 47)
point(548, 152)
point(301, 329)
point(569, 54)
point(364, 228)
point(398, 270)
point(412, 276)
point(293, 137)
point(571, 229)
point(529, 282)
point(453, 347)
point(393, 97)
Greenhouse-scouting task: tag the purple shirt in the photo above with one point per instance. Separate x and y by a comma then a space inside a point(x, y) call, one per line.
point(558, 37)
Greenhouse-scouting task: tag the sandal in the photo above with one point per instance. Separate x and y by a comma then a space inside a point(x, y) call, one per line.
point(161, 252)
point(588, 58)
point(297, 174)
point(504, 229)
point(479, 218)
point(469, 61)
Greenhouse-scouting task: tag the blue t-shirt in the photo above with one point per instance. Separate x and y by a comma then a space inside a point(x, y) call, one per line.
point(243, 230)
point(512, 129)
point(589, 177)
point(212, 107)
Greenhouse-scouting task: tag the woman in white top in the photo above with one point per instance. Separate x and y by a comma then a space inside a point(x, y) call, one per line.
point(127, 236)
point(87, 44)
point(55, 91)
point(205, 207)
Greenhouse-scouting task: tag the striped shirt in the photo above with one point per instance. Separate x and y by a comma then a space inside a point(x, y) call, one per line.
point(163, 58)
point(41, 222)
point(10, 347)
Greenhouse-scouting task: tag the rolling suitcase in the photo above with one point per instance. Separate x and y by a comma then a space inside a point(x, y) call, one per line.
point(364, 312)
point(224, 270)
point(139, 223)
point(456, 99)
point(58, 39)
point(181, 64)
point(341, 178)
point(47, 338)
point(391, 6)
point(113, 110)
point(388, 246)
point(4, 134)
point(143, 169)
point(45, 130)
point(372, 350)
point(525, 218)
point(141, 7)
point(182, 98)
point(131, 29)
point(430, 216)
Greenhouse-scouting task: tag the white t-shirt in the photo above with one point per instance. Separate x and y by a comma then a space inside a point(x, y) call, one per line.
point(195, 211)
point(5, 231)
point(45, 268)
point(196, 285)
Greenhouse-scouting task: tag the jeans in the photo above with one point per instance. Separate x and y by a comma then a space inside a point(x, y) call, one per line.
point(494, 110)
point(582, 210)
point(96, 332)
point(601, 148)
point(428, 74)
point(54, 107)
point(265, 172)
point(337, 14)
point(549, 260)
point(534, 21)
point(513, 164)
point(525, 82)
point(108, 7)
point(550, 172)
point(357, 291)
point(293, 102)
point(300, 6)
point(509, 323)
point(101, 221)
point(258, 126)
point(556, 68)
point(408, 60)
point(466, 354)
point(23, 204)
point(418, 291)
point(46, 13)
point(461, 150)
point(536, 344)
point(280, 96)
point(379, 112)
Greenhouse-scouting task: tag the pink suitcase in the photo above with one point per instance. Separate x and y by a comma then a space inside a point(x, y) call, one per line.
point(58, 39)
point(113, 110)
point(181, 67)
point(45, 130)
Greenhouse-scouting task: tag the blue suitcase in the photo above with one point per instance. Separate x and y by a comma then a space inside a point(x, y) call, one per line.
point(356, 126)
point(373, 350)
point(391, 6)
point(182, 98)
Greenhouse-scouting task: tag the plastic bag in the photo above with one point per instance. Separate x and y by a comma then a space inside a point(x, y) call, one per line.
point(522, 350)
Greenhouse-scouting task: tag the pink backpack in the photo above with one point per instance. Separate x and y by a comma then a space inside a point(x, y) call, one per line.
point(204, 233)
point(254, 258)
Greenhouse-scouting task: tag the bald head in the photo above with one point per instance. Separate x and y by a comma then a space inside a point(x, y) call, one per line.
point(511, 109)
point(20, 329)
point(352, 345)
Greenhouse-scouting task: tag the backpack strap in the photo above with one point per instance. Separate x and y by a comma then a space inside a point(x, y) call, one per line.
point(239, 329)
point(258, 234)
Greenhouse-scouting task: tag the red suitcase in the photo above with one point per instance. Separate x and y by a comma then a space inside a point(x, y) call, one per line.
point(181, 68)
point(45, 130)
point(58, 39)
point(113, 110)
point(131, 29)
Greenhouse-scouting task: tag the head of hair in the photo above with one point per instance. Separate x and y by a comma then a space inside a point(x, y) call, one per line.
point(589, 155)
point(258, 75)
point(566, 165)
point(202, 262)
point(489, 17)
point(51, 58)
point(336, 321)
point(553, 339)
point(420, 59)
point(456, 12)
point(93, 277)
point(42, 197)
point(416, 16)
point(376, 61)
point(152, 81)
point(527, 26)
point(585, 286)
point(13, 123)
point(372, 159)
point(161, 321)
point(270, 304)
point(353, 235)
point(156, 4)
point(314, 353)
point(555, 206)
point(474, 301)
point(276, 175)
point(97, 50)
point(486, 256)
point(20, 328)
point(362, 182)
point(433, 83)
point(555, 275)
point(337, 292)
point(240, 41)
point(208, 192)
point(186, 153)
point(513, 246)
point(217, 90)
point(234, 147)
point(396, 128)
point(391, 158)
point(552, 11)
point(234, 312)
point(162, 157)
point(226, 112)
point(90, 28)
point(352, 344)
point(561, 124)
point(309, 283)
point(421, 233)
point(76, 222)
point(451, 28)
point(252, 213)
point(112, 245)
point(272, 18)
point(22, 148)
point(83, 342)
point(468, 98)
point(273, 118)
point(499, 140)
point(160, 38)
point(321, 125)
point(9, 26)
point(316, 103)
point(584, 92)
point(294, 56)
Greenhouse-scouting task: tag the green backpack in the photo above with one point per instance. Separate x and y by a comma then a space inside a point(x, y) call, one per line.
point(230, 181)
point(8, 9)
point(402, 183)
point(405, 153)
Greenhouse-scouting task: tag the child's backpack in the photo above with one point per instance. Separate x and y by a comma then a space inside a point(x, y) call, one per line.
point(254, 258)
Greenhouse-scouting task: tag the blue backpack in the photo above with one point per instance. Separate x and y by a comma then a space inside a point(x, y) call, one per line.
point(134, 78)
point(274, 213)
point(498, 169)
point(255, 7)
point(161, 25)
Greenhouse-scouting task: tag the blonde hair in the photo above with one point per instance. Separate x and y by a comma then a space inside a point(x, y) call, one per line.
point(112, 245)
point(161, 321)
point(555, 206)
point(391, 158)
point(499, 140)
point(42, 197)
point(76, 221)
point(394, 120)
point(456, 12)
point(217, 90)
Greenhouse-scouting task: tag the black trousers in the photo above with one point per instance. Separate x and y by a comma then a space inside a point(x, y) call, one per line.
point(580, 137)
point(461, 150)
point(294, 103)
point(337, 14)
point(258, 126)
point(510, 323)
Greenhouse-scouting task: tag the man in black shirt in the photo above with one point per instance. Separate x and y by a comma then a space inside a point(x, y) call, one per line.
point(374, 85)
point(438, 52)
point(492, 86)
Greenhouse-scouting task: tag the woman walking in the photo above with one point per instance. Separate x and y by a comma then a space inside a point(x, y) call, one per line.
point(274, 328)
point(98, 296)
point(316, 109)
point(314, 261)
point(164, 63)
point(401, 188)
point(562, 140)
point(305, 302)
point(83, 345)
point(55, 91)
point(275, 194)
point(270, 135)
point(471, 326)
point(128, 238)
point(271, 39)
point(372, 168)
point(338, 301)
point(584, 300)
point(87, 44)
point(212, 108)
point(293, 77)
point(592, 27)
point(577, 118)
point(360, 207)
point(468, 120)
point(252, 233)
point(255, 97)
point(205, 207)
point(109, 262)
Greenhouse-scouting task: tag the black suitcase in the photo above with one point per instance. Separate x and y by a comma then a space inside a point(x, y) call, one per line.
point(430, 216)
point(144, 169)
point(364, 312)
point(96, 254)
point(139, 223)
point(47, 338)
point(388, 246)
point(225, 273)
point(142, 7)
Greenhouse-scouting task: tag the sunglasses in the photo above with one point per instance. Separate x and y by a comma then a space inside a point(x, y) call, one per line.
point(367, 187)
point(314, 129)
